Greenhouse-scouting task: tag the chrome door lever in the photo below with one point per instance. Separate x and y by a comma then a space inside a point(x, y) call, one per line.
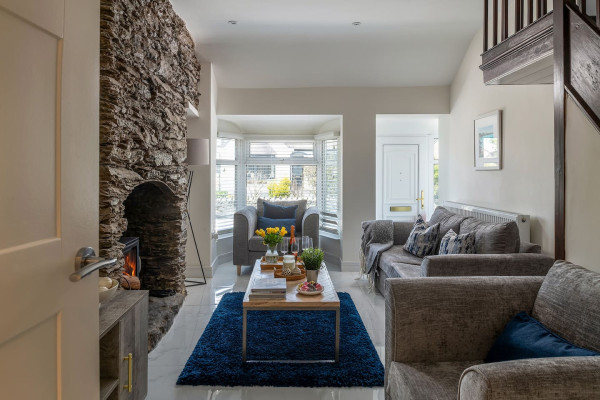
point(86, 262)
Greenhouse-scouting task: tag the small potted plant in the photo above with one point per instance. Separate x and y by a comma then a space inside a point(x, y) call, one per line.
point(271, 238)
point(312, 259)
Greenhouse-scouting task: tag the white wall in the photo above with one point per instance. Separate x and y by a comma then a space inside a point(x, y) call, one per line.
point(526, 182)
point(358, 107)
point(201, 198)
point(582, 145)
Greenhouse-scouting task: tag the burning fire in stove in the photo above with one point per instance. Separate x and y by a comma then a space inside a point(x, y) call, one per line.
point(131, 259)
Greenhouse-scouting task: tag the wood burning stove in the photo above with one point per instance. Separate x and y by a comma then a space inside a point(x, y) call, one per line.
point(131, 252)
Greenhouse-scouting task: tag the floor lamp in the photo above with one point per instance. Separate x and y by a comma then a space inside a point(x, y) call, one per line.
point(197, 154)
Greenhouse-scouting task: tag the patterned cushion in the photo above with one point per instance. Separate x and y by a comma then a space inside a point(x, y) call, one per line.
point(457, 244)
point(423, 239)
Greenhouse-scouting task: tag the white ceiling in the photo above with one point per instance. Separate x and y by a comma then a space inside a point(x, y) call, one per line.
point(282, 124)
point(312, 43)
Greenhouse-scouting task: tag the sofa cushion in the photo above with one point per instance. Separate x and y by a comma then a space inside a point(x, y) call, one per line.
point(277, 211)
point(420, 381)
point(256, 244)
point(264, 223)
point(568, 303)
point(525, 337)
point(397, 254)
point(453, 243)
point(423, 239)
point(447, 220)
point(260, 209)
point(407, 270)
point(493, 238)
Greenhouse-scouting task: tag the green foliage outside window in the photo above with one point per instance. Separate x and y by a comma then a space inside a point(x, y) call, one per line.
point(279, 190)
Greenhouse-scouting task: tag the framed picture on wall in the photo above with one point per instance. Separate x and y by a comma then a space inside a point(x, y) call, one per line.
point(488, 141)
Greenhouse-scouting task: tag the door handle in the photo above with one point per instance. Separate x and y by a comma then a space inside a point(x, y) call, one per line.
point(129, 360)
point(86, 262)
point(422, 198)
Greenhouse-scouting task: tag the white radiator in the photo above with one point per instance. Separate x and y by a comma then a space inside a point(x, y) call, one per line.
point(490, 215)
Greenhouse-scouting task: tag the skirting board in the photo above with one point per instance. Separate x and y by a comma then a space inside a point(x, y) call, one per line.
point(350, 266)
point(222, 259)
point(194, 271)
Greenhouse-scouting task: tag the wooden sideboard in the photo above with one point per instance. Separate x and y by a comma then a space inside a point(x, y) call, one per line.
point(124, 346)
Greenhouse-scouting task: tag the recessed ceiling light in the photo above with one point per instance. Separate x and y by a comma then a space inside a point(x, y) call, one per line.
point(232, 22)
point(356, 23)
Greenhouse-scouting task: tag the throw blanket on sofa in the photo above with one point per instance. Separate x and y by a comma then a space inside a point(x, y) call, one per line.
point(378, 236)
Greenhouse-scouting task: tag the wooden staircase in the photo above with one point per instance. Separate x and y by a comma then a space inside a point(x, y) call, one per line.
point(552, 41)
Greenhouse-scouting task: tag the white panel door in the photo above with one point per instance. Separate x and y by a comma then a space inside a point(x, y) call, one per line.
point(400, 180)
point(49, 81)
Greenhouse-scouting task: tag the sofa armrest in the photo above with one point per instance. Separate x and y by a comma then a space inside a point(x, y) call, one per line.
point(310, 224)
point(244, 225)
point(451, 319)
point(514, 264)
point(558, 378)
point(526, 247)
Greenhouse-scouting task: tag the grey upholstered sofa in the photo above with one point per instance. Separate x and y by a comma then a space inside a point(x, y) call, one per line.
point(248, 247)
point(500, 252)
point(438, 331)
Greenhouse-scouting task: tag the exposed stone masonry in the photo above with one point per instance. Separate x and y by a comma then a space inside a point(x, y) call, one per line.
point(148, 74)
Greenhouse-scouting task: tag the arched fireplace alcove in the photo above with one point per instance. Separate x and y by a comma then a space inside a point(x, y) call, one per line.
point(154, 216)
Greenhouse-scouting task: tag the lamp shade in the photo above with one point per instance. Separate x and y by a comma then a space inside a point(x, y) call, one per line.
point(198, 152)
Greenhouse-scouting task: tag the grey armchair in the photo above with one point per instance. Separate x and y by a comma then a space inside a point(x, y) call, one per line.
point(248, 247)
point(438, 331)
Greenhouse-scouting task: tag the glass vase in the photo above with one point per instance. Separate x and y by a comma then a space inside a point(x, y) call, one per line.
point(271, 257)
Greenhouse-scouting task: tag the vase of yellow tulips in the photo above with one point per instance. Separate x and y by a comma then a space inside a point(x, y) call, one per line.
point(271, 238)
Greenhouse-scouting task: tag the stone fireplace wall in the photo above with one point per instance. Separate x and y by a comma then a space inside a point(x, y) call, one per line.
point(148, 74)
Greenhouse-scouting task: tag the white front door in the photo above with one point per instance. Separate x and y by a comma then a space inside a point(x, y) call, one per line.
point(401, 178)
point(49, 77)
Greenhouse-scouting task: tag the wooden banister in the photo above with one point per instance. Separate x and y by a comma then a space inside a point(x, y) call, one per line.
point(504, 19)
point(498, 27)
point(495, 22)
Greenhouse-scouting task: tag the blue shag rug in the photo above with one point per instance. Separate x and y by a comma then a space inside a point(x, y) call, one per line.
point(283, 335)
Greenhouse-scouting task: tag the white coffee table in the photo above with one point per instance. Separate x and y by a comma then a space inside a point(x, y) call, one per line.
point(327, 300)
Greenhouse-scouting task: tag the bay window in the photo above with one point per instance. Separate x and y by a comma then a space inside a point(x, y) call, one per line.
point(277, 168)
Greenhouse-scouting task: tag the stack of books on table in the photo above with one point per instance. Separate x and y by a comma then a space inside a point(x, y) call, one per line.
point(268, 288)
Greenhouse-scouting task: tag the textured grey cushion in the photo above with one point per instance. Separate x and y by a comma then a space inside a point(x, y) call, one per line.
point(527, 247)
point(277, 211)
point(397, 254)
point(407, 270)
point(569, 304)
point(423, 239)
point(299, 212)
point(420, 381)
point(256, 244)
point(447, 220)
point(563, 378)
point(453, 243)
point(401, 231)
point(493, 238)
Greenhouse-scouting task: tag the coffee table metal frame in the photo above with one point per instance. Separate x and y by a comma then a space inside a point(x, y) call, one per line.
point(293, 302)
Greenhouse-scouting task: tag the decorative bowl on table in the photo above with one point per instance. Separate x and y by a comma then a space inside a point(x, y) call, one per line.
point(311, 288)
point(107, 288)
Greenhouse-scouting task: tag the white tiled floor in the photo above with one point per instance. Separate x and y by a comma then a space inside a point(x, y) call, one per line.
point(167, 360)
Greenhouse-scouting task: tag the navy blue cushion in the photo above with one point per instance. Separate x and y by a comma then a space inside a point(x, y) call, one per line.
point(279, 212)
point(264, 223)
point(526, 337)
